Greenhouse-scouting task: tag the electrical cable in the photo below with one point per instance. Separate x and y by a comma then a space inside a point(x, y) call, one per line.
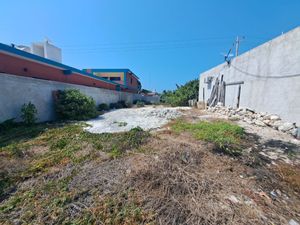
point(264, 76)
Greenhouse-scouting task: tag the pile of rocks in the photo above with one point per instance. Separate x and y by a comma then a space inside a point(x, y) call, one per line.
point(257, 118)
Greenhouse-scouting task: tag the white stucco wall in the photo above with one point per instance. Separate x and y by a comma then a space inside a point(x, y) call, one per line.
point(265, 71)
point(17, 90)
point(52, 52)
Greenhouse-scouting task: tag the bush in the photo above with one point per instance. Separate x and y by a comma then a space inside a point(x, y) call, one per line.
point(128, 104)
point(71, 104)
point(122, 104)
point(117, 105)
point(140, 104)
point(28, 113)
point(103, 107)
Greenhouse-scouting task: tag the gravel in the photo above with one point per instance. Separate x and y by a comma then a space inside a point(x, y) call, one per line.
point(150, 117)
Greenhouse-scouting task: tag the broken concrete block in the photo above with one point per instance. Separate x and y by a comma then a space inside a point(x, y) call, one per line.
point(286, 127)
point(277, 123)
point(259, 123)
point(267, 122)
point(274, 117)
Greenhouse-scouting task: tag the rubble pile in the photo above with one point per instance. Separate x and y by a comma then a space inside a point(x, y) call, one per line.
point(261, 119)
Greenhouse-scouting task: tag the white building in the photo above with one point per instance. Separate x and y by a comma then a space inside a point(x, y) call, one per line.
point(43, 49)
point(266, 78)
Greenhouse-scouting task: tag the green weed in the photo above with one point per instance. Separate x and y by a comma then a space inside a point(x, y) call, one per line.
point(226, 136)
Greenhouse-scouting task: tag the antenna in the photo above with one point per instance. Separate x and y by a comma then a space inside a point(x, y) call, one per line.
point(237, 44)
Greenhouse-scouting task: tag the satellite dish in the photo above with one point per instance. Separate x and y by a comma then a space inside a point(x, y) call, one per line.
point(225, 54)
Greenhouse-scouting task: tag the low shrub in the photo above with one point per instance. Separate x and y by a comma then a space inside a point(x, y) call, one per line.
point(28, 113)
point(226, 136)
point(117, 105)
point(128, 104)
point(140, 104)
point(122, 104)
point(71, 104)
point(103, 107)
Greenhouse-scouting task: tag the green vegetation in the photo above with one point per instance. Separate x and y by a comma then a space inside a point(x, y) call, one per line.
point(28, 113)
point(71, 104)
point(182, 94)
point(140, 104)
point(103, 107)
point(117, 105)
point(226, 136)
point(57, 145)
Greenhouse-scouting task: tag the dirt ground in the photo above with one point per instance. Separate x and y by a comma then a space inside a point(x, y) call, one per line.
point(175, 179)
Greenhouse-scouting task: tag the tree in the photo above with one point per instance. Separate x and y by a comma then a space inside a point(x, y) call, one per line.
point(182, 94)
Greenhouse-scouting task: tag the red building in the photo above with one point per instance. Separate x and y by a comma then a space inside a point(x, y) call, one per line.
point(21, 63)
point(124, 77)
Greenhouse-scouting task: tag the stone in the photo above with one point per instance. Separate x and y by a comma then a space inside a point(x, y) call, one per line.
point(267, 122)
point(233, 199)
point(277, 123)
point(286, 127)
point(259, 123)
point(219, 104)
point(250, 110)
point(294, 132)
point(274, 117)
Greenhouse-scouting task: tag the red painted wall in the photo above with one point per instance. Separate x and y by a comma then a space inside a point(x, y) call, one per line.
point(23, 67)
point(134, 83)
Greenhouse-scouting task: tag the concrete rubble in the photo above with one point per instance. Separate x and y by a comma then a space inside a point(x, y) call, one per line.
point(261, 119)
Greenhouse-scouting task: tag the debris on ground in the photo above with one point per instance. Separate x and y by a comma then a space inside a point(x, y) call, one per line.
point(257, 118)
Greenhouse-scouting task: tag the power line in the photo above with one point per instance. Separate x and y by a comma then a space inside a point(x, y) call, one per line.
point(264, 76)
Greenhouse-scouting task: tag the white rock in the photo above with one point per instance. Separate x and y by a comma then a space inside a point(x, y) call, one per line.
point(259, 123)
point(294, 132)
point(277, 123)
point(274, 117)
point(286, 127)
point(233, 199)
point(267, 122)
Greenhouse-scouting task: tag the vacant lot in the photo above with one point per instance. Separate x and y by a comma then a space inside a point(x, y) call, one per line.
point(197, 170)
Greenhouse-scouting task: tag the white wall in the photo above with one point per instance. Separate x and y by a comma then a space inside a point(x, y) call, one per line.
point(17, 90)
point(52, 52)
point(261, 69)
point(37, 49)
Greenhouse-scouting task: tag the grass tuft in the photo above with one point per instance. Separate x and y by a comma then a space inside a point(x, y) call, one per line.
point(226, 136)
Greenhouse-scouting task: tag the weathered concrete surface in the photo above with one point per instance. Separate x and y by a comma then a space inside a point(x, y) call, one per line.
point(17, 90)
point(265, 70)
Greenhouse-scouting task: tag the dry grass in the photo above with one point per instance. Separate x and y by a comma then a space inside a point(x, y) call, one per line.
point(135, 178)
point(290, 174)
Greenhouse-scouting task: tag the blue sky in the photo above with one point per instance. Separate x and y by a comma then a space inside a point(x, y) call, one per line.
point(165, 42)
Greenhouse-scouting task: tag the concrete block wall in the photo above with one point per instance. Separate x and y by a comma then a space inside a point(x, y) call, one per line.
point(17, 90)
point(266, 72)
